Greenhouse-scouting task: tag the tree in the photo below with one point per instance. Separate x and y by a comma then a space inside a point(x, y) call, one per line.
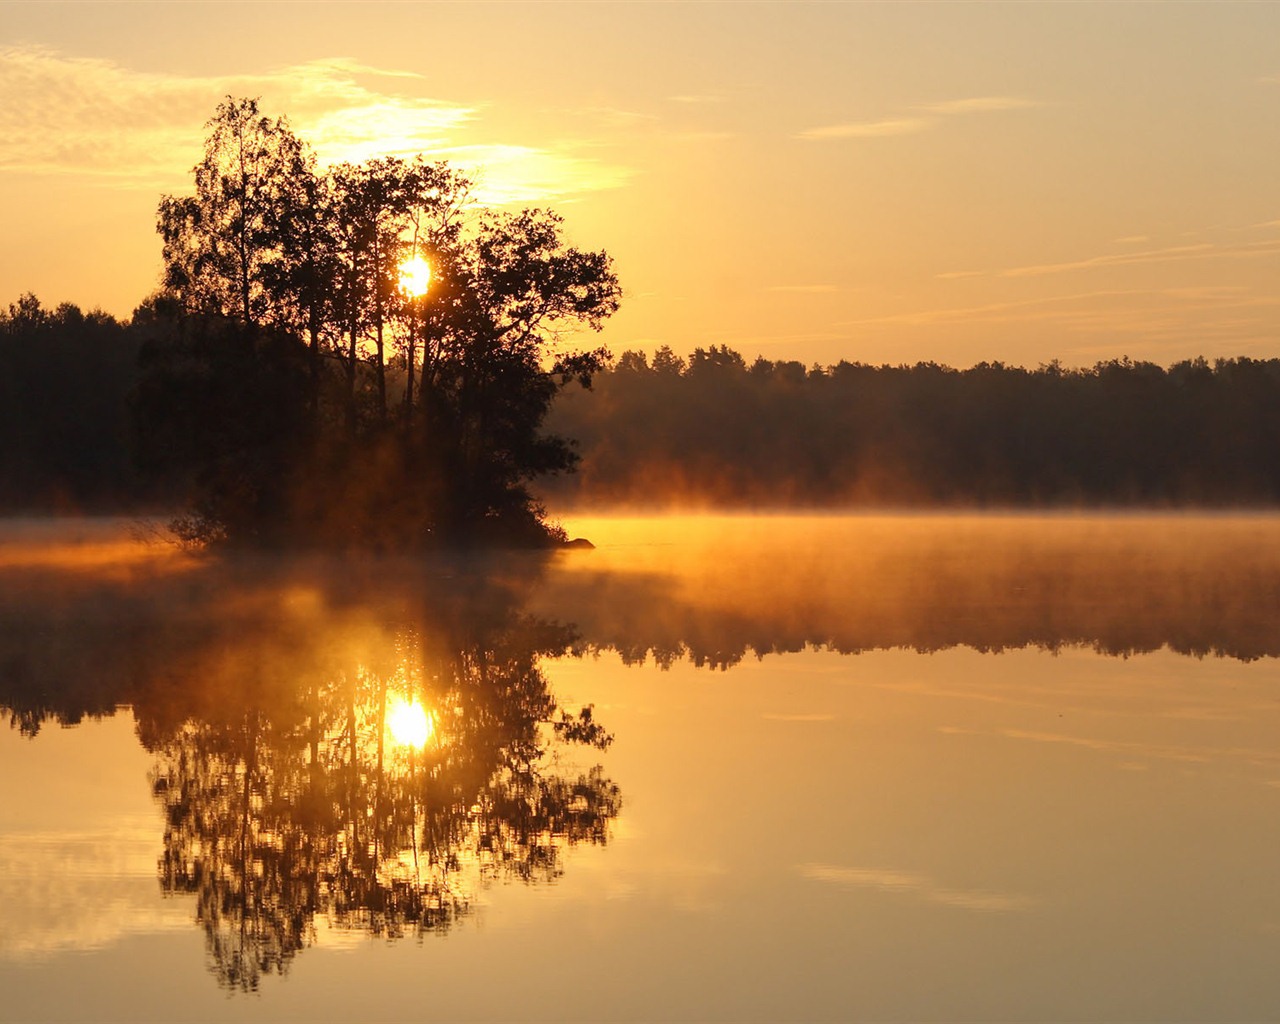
point(485, 389)
point(423, 414)
point(221, 243)
point(62, 409)
point(225, 410)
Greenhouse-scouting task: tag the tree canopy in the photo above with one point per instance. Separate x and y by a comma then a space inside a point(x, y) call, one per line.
point(311, 391)
point(713, 430)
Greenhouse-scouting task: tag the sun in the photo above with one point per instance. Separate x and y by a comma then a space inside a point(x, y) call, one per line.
point(409, 724)
point(415, 276)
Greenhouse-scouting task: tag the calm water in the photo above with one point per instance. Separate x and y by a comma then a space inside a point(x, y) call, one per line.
point(918, 767)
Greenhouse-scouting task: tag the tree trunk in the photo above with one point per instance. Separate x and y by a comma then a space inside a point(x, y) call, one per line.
point(351, 381)
point(377, 315)
point(412, 350)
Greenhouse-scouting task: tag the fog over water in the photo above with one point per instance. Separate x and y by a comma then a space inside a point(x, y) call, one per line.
point(1045, 787)
point(720, 584)
point(711, 586)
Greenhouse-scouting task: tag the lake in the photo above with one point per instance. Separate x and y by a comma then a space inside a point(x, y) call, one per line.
point(888, 767)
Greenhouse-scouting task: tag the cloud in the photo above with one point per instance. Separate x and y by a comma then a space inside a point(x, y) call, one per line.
point(868, 129)
point(807, 289)
point(1177, 253)
point(697, 98)
point(992, 312)
point(523, 174)
point(1214, 317)
point(95, 118)
point(917, 885)
point(1190, 755)
point(979, 105)
point(89, 116)
point(615, 117)
point(1168, 311)
point(700, 136)
point(913, 124)
point(781, 717)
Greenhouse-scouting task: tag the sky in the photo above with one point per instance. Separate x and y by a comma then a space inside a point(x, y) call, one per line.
point(955, 182)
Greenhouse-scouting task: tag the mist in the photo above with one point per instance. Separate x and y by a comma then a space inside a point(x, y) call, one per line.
point(713, 431)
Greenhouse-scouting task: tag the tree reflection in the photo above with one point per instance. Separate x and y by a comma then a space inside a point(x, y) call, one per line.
point(289, 798)
point(267, 688)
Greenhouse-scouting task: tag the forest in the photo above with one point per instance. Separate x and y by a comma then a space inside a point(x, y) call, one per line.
point(352, 356)
point(712, 430)
point(363, 356)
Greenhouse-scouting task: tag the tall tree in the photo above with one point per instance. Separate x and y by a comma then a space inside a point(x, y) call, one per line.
point(304, 272)
point(220, 243)
point(303, 261)
point(496, 362)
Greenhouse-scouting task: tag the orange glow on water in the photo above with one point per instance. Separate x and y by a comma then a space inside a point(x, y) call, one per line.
point(409, 724)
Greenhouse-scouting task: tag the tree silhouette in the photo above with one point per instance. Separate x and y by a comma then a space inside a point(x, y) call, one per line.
point(304, 804)
point(423, 415)
point(715, 431)
point(221, 243)
point(263, 686)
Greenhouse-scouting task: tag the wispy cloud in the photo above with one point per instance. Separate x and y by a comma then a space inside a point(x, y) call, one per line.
point(979, 105)
point(917, 885)
point(523, 174)
point(782, 717)
point(1164, 312)
point(88, 116)
point(696, 135)
point(615, 117)
point(96, 118)
point(806, 289)
point(991, 312)
point(1171, 254)
point(868, 129)
point(697, 98)
point(924, 117)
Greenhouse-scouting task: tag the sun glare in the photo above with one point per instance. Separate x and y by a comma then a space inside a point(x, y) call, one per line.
point(409, 723)
point(415, 276)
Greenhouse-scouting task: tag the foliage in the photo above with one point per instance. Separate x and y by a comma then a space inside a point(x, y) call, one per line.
point(225, 407)
point(62, 414)
point(319, 401)
point(715, 431)
point(652, 431)
point(287, 797)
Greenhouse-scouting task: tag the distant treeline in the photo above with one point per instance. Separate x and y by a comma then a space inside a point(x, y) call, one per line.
point(713, 430)
point(64, 411)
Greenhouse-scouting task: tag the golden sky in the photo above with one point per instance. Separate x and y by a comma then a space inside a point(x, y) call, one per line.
point(885, 183)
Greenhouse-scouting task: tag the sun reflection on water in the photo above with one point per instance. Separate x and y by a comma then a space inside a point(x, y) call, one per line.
point(409, 723)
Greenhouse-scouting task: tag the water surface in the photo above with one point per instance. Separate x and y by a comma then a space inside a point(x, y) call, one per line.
point(984, 767)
